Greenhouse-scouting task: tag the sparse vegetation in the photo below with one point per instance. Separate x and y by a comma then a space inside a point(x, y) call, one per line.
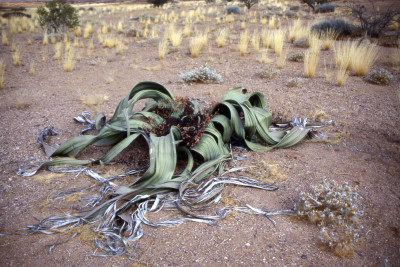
point(379, 76)
point(221, 37)
point(201, 75)
point(16, 56)
point(294, 82)
point(336, 208)
point(310, 63)
point(341, 75)
point(268, 73)
point(2, 72)
point(58, 15)
point(371, 20)
point(297, 57)
point(162, 48)
point(4, 38)
point(69, 60)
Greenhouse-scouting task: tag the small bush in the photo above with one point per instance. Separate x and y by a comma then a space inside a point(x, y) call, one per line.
point(341, 27)
point(372, 21)
point(249, 3)
point(233, 10)
point(268, 73)
point(201, 75)
point(290, 14)
point(59, 15)
point(302, 42)
point(294, 7)
point(379, 76)
point(296, 57)
point(336, 209)
point(294, 82)
point(157, 3)
point(325, 8)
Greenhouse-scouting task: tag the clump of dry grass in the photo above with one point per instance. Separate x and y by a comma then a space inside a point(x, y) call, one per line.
point(280, 62)
point(45, 38)
point(264, 57)
point(255, 41)
point(279, 37)
point(94, 100)
point(87, 31)
point(396, 57)
point(328, 39)
point(4, 38)
point(16, 56)
point(243, 42)
point(187, 30)
point(267, 38)
point(69, 60)
point(198, 43)
point(310, 62)
point(221, 37)
point(175, 37)
point(341, 76)
point(363, 58)
point(2, 71)
point(78, 31)
point(32, 68)
point(162, 48)
point(356, 57)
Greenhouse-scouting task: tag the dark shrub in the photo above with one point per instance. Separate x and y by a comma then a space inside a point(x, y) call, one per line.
point(233, 10)
point(325, 8)
point(340, 26)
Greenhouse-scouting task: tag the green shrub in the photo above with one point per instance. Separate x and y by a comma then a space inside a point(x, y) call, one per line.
point(58, 15)
point(157, 3)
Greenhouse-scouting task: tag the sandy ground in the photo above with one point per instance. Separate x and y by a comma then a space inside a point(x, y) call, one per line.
point(363, 151)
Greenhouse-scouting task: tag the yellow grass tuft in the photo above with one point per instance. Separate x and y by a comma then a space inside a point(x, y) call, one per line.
point(328, 39)
point(32, 68)
point(198, 43)
point(280, 62)
point(104, 29)
point(255, 41)
point(94, 100)
point(310, 62)
point(16, 57)
point(78, 31)
point(187, 30)
point(155, 68)
point(264, 57)
point(175, 36)
point(394, 26)
point(13, 47)
point(120, 46)
point(243, 25)
point(341, 76)
point(314, 42)
point(120, 27)
point(243, 42)
point(69, 60)
point(271, 23)
point(87, 31)
point(363, 58)
point(2, 71)
point(4, 38)
point(396, 57)
point(162, 48)
point(278, 39)
point(221, 37)
point(356, 57)
point(45, 38)
point(267, 38)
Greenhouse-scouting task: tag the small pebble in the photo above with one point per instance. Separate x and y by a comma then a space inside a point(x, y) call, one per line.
point(304, 256)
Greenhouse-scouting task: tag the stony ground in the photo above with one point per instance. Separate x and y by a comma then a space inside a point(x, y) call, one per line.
point(363, 150)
